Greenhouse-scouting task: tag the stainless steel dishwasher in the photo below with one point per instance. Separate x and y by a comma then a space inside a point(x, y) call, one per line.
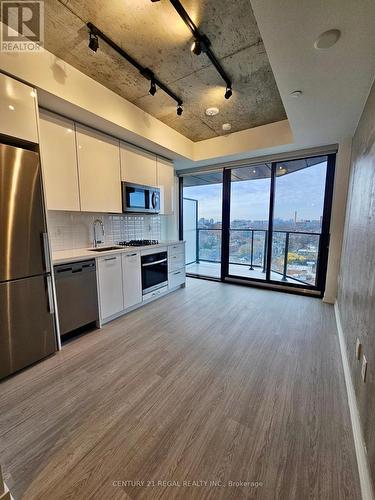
point(77, 296)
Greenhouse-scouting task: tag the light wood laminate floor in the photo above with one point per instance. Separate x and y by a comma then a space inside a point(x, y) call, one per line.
point(214, 382)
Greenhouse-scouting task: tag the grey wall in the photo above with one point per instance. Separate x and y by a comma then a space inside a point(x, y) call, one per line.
point(356, 298)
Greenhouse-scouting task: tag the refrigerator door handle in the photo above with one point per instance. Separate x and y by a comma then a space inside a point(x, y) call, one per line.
point(47, 259)
point(51, 306)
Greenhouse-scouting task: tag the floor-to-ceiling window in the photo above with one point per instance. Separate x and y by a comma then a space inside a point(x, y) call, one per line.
point(265, 223)
point(249, 216)
point(297, 219)
point(202, 225)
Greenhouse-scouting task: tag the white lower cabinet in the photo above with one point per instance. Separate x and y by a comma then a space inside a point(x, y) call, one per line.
point(120, 280)
point(110, 285)
point(131, 277)
point(176, 278)
point(176, 265)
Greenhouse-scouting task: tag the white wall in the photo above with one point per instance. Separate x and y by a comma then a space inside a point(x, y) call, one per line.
point(258, 138)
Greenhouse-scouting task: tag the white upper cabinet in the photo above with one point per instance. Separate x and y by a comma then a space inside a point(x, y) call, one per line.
point(99, 171)
point(59, 162)
point(18, 110)
point(166, 183)
point(138, 166)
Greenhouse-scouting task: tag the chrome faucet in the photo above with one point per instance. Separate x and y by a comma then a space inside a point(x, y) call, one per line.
point(97, 242)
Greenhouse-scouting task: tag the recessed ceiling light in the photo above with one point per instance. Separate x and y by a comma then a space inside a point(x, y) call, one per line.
point(296, 93)
point(11, 107)
point(327, 39)
point(212, 111)
point(226, 126)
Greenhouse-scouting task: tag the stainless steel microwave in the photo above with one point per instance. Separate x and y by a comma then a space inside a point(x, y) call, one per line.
point(140, 199)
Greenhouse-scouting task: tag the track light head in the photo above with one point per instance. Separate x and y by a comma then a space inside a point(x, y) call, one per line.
point(153, 89)
point(196, 47)
point(180, 110)
point(93, 42)
point(228, 93)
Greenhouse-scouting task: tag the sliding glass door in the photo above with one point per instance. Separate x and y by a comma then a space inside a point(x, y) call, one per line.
point(249, 220)
point(202, 225)
point(298, 220)
point(266, 223)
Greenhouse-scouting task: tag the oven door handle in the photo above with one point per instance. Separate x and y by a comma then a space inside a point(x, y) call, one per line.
point(152, 263)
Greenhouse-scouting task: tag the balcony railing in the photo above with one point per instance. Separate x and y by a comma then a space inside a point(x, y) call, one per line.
point(294, 253)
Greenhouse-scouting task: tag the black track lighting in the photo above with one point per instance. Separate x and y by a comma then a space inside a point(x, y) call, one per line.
point(93, 42)
point(228, 93)
point(96, 33)
point(152, 90)
point(180, 110)
point(196, 47)
point(201, 43)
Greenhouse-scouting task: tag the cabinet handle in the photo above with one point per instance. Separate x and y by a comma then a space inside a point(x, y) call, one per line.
point(110, 258)
point(179, 272)
point(130, 255)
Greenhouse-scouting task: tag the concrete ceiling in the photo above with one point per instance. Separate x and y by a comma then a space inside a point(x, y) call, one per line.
point(154, 35)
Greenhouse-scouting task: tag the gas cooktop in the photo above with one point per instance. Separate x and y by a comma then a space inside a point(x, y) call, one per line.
point(138, 243)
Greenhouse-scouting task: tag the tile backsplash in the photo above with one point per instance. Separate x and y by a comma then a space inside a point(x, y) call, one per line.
point(69, 230)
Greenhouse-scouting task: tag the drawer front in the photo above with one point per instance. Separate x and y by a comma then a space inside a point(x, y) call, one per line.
point(176, 278)
point(176, 262)
point(155, 293)
point(176, 249)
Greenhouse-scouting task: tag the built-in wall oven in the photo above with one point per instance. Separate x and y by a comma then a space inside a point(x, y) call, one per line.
point(154, 271)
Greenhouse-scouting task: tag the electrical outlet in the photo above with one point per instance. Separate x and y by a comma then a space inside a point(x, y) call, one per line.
point(358, 349)
point(364, 369)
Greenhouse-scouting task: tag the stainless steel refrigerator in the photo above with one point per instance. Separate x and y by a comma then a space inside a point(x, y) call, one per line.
point(27, 331)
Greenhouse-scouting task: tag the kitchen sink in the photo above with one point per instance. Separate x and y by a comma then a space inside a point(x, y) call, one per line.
point(104, 249)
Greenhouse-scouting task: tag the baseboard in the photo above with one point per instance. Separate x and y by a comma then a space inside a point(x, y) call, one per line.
point(360, 449)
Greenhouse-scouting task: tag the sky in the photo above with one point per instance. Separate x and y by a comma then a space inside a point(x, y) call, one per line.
point(301, 191)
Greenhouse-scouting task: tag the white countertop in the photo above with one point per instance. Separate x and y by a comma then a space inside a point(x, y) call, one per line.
point(76, 254)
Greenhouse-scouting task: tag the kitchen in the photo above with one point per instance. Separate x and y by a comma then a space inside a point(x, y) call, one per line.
point(95, 283)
